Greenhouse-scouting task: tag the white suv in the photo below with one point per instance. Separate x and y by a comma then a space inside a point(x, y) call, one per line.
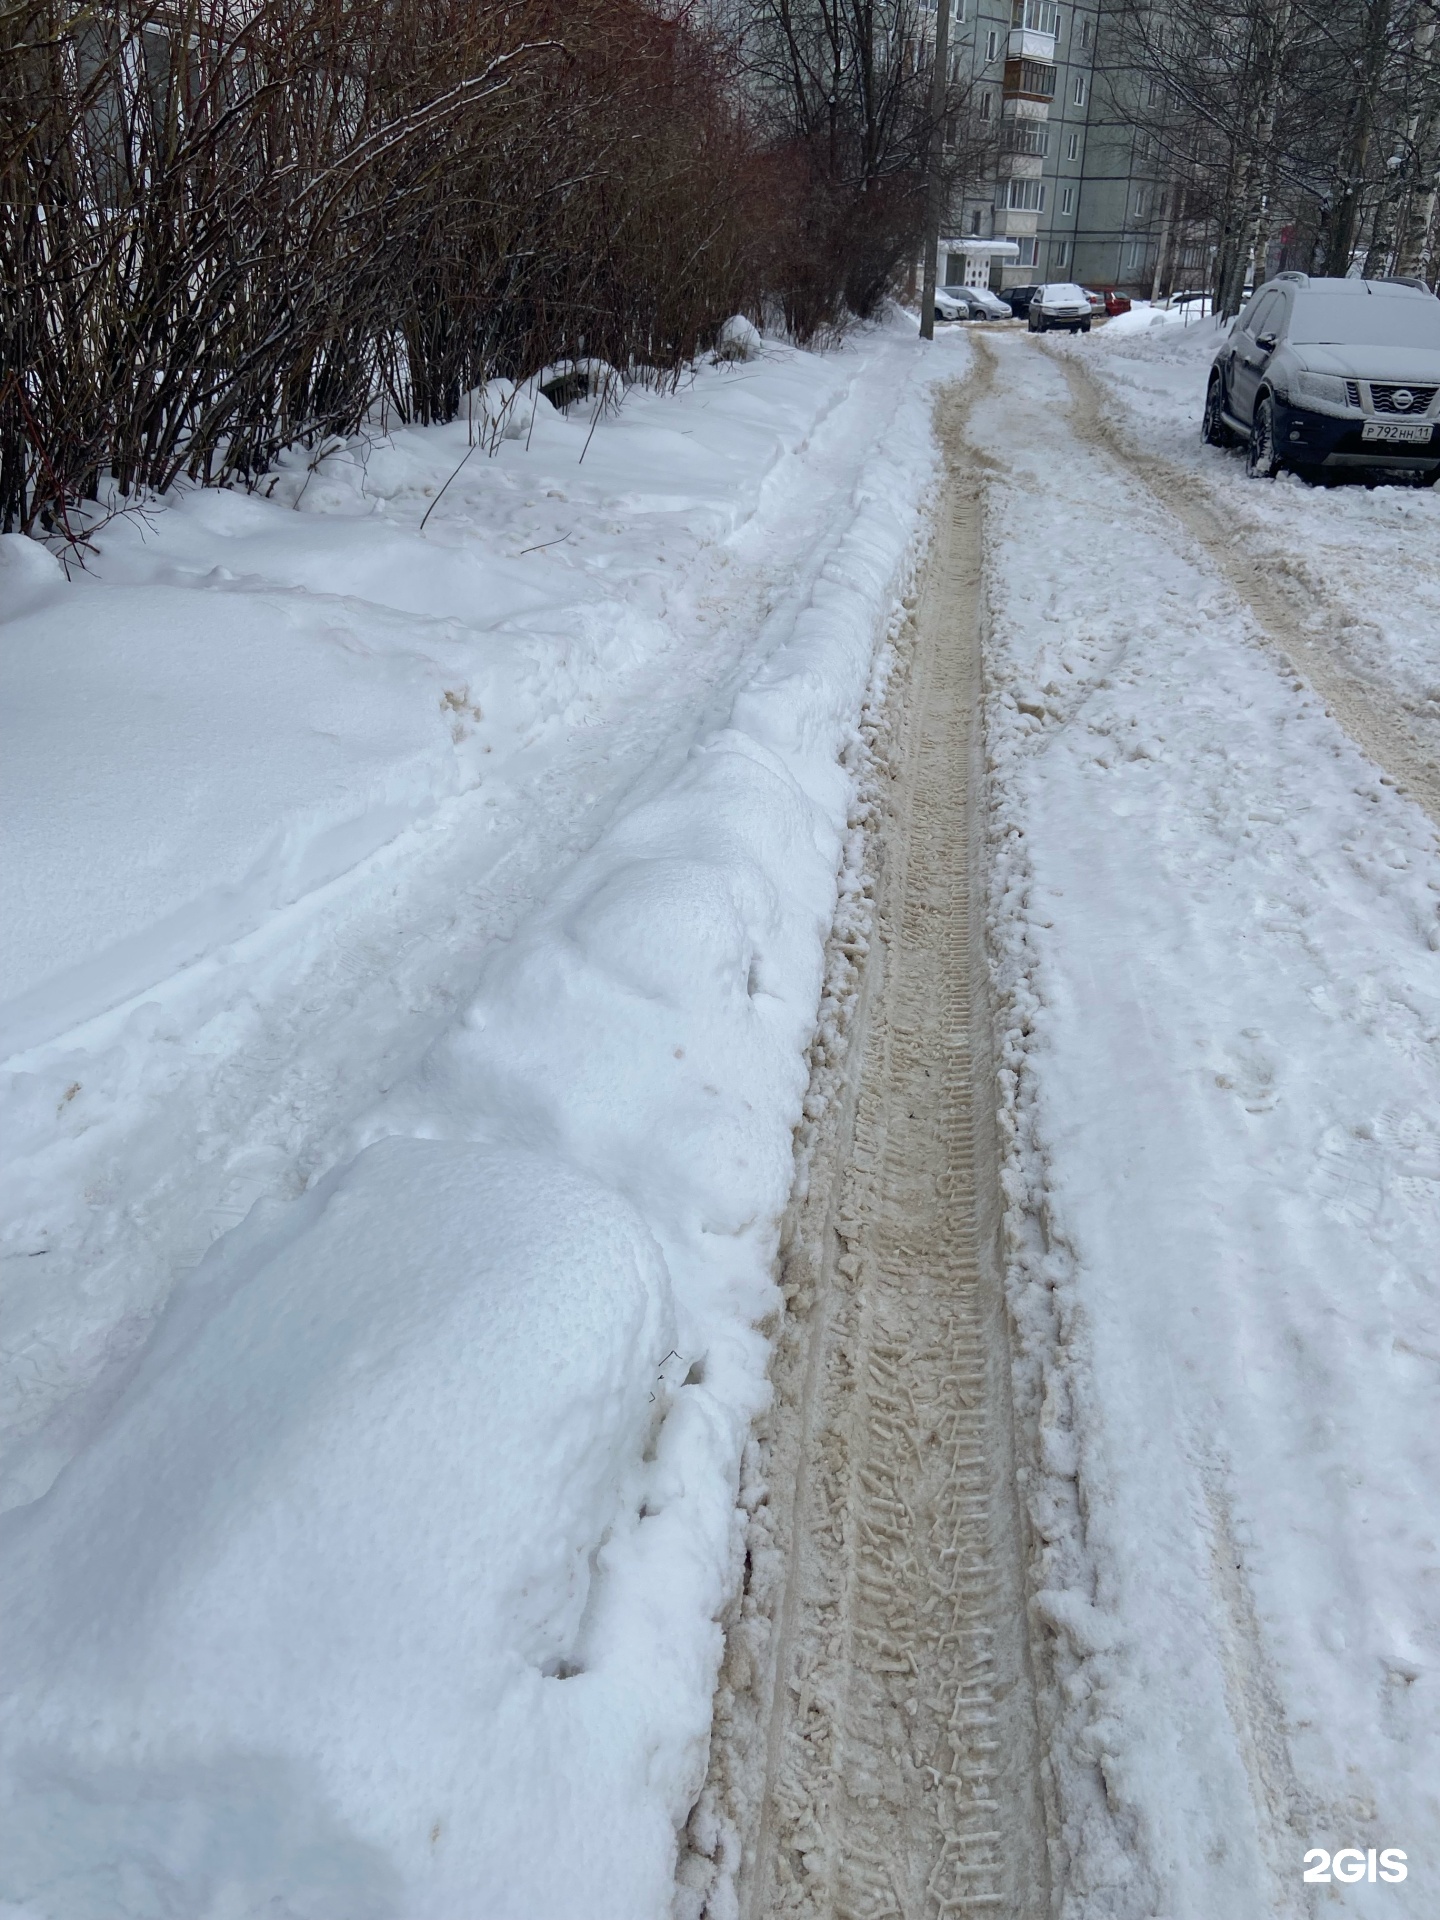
point(1331, 375)
point(1061, 304)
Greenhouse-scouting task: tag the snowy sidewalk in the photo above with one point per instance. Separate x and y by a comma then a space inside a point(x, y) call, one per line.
point(462, 905)
point(1216, 933)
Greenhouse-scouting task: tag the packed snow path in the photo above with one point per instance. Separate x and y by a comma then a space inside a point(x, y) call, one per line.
point(1298, 615)
point(875, 1747)
point(1213, 923)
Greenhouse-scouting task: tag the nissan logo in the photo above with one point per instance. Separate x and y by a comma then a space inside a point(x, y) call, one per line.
point(1402, 399)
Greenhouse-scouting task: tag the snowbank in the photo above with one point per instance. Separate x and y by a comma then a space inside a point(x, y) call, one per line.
point(391, 1584)
point(295, 1628)
point(262, 691)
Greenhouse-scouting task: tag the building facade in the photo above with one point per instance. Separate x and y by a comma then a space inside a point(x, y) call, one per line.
point(1076, 183)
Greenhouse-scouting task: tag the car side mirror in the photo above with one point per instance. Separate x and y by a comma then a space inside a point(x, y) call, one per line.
point(1268, 342)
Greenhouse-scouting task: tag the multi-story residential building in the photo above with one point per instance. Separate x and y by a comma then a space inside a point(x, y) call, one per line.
point(1076, 185)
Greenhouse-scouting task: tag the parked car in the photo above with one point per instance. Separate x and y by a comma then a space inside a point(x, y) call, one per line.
point(983, 304)
point(948, 307)
point(1097, 302)
point(1018, 300)
point(1116, 302)
point(1060, 304)
point(1329, 375)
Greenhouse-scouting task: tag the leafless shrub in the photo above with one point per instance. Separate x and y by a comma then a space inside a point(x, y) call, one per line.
point(232, 226)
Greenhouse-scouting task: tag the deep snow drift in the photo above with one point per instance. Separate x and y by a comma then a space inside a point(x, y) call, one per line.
point(383, 1577)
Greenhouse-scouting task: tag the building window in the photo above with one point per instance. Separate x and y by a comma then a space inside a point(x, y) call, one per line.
point(1029, 252)
point(1021, 196)
point(976, 216)
point(1059, 253)
point(1040, 16)
point(1085, 33)
point(1135, 256)
point(985, 100)
point(1067, 200)
point(1154, 93)
point(991, 42)
point(1072, 147)
point(1077, 93)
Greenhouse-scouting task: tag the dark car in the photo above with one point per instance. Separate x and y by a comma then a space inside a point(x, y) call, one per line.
point(1019, 299)
point(1331, 375)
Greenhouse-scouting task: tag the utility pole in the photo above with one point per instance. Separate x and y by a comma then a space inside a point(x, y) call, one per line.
point(934, 165)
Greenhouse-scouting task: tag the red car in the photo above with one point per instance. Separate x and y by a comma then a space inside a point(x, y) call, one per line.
point(1106, 300)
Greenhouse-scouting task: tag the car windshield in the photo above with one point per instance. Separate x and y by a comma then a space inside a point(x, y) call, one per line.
point(1352, 320)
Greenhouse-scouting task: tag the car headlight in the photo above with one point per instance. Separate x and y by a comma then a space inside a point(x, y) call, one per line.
point(1328, 388)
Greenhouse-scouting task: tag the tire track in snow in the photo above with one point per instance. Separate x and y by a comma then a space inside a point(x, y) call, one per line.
point(875, 1748)
point(1375, 722)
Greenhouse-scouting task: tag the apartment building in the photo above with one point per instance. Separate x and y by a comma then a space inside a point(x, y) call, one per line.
point(1076, 185)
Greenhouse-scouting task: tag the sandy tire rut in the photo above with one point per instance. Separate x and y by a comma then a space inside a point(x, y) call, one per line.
point(875, 1747)
point(1373, 716)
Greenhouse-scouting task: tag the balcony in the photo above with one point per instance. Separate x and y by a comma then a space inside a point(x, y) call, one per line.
point(1036, 24)
point(1029, 80)
point(1026, 136)
point(1025, 45)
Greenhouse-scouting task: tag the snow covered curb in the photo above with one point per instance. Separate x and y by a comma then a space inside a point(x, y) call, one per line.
point(435, 1470)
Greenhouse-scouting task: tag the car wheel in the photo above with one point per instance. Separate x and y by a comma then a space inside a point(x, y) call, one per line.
point(1262, 461)
point(1213, 430)
point(1084, 326)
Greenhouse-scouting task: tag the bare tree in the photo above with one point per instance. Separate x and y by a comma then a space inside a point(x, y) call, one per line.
point(846, 87)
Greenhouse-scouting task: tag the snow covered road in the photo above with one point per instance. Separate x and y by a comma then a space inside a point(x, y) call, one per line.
point(1215, 930)
point(410, 998)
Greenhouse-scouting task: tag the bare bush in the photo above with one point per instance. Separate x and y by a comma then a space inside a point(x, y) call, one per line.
point(230, 226)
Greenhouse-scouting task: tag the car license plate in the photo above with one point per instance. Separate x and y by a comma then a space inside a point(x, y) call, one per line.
point(1412, 432)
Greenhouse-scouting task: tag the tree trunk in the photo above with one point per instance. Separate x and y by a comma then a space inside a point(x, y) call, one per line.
point(934, 171)
point(1343, 227)
point(1162, 252)
point(1414, 248)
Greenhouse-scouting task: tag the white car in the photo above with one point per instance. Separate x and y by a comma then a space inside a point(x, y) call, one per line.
point(1060, 304)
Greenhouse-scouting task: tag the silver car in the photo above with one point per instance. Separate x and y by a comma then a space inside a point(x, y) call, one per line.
point(1331, 375)
point(1060, 304)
